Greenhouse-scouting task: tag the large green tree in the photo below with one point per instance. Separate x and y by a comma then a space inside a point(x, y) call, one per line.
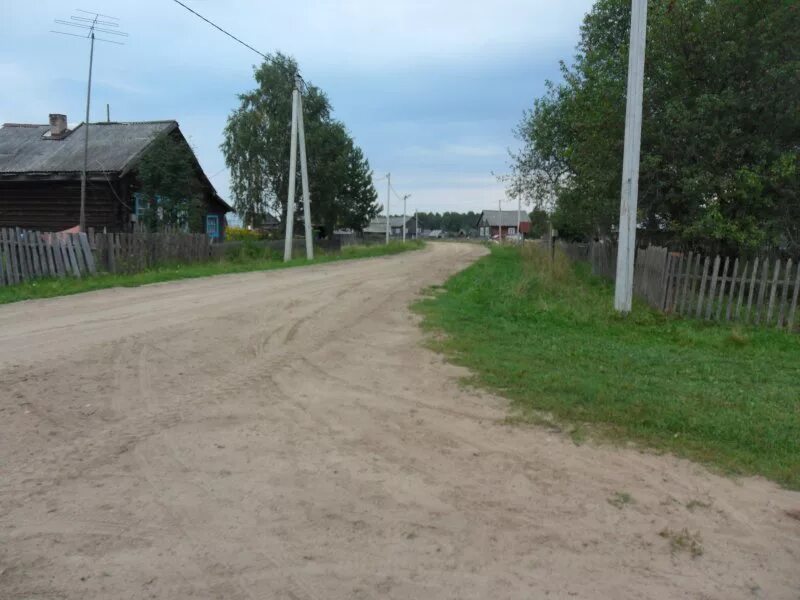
point(256, 149)
point(720, 162)
point(169, 186)
point(358, 200)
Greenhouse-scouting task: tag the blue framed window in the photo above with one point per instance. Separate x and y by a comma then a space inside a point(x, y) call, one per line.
point(212, 226)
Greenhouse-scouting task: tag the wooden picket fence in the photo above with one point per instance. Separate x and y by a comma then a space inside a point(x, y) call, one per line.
point(761, 291)
point(29, 255)
point(132, 252)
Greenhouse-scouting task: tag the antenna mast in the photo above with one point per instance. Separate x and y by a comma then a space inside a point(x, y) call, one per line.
point(88, 23)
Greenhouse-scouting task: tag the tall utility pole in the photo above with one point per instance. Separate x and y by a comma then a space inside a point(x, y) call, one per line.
point(287, 246)
point(416, 225)
point(388, 194)
point(500, 221)
point(82, 221)
point(298, 134)
point(626, 253)
point(519, 219)
point(89, 24)
point(406, 197)
point(304, 174)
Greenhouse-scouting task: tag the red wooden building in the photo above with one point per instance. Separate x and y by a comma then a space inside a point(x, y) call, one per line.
point(492, 222)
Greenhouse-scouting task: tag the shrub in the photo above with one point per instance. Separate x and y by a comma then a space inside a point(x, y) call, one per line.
point(240, 234)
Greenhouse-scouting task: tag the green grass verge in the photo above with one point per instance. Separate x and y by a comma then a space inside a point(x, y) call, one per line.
point(243, 262)
point(549, 339)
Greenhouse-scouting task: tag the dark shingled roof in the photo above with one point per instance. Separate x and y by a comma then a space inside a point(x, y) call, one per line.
point(491, 218)
point(28, 150)
point(113, 147)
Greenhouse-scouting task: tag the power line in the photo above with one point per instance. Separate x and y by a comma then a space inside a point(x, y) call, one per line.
point(398, 196)
point(229, 34)
point(218, 172)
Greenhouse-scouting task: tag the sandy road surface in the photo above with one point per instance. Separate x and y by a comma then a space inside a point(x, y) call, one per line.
point(284, 435)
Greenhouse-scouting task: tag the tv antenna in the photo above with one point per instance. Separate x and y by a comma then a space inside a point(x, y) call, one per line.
point(86, 24)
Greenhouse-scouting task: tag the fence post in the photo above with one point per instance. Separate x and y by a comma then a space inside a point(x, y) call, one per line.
point(721, 296)
point(732, 290)
point(784, 292)
point(762, 290)
point(666, 279)
point(712, 288)
point(752, 290)
point(793, 308)
point(773, 291)
point(702, 291)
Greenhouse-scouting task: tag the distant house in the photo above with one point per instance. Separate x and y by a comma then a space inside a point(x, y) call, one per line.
point(269, 224)
point(493, 222)
point(40, 176)
point(378, 226)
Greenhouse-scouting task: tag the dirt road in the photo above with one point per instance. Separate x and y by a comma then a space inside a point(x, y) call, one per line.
point(284, 435)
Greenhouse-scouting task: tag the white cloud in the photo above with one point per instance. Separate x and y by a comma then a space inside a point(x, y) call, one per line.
point(342, 35)
point(174, 65)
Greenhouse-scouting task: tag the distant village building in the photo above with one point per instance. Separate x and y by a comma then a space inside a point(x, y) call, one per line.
point(40, 176)
point(492, 222)
point(378, 226)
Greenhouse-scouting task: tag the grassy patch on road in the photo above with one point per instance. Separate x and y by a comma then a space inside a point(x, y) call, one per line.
point(549, 339)
point(247, 260)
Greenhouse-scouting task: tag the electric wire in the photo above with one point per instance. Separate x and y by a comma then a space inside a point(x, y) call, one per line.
point(229, 34)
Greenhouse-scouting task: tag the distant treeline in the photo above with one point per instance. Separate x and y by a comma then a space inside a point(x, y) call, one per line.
point(452, 222)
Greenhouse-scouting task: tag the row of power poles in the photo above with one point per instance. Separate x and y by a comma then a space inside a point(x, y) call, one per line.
point(405, 198)
point(623, 294)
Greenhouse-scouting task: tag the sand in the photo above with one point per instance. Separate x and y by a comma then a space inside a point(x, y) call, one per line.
point(286, 435)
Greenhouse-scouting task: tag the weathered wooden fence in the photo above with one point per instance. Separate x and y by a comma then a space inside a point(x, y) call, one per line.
point(132, 252)
point(29, 255)
point(761, 291)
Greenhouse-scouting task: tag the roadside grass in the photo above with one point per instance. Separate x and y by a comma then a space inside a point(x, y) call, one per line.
point(547, 337)
point(245, 260)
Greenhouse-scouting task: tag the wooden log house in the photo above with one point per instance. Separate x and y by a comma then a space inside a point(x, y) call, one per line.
point(40, 176)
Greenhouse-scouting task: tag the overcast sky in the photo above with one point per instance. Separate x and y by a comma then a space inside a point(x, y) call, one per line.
point(429, 89)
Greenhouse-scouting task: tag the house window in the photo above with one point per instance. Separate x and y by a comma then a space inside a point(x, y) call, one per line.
point(183, 220)
point(512, 230)
point(142, 209)
point(140, 206)
point(212, 226)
